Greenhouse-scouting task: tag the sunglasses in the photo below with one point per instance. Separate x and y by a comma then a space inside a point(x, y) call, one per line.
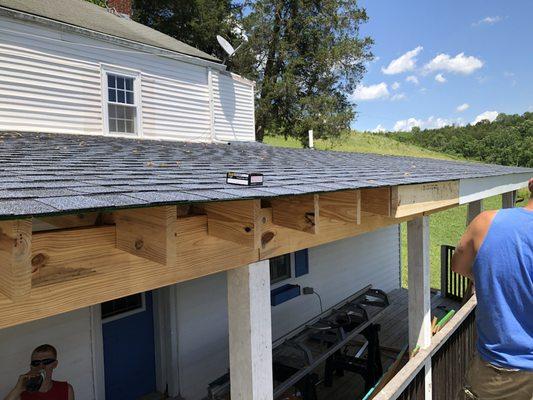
point(46, 361)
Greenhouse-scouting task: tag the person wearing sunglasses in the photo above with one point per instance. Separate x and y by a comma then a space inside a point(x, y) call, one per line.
point(37, 384)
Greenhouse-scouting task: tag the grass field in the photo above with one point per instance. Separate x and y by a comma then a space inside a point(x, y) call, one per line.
point(446, 227)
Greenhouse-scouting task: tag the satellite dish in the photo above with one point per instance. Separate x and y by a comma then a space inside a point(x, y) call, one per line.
point(228, 48)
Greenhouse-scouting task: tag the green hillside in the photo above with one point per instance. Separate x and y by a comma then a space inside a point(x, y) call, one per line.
point(446, 226)
point(363, 143)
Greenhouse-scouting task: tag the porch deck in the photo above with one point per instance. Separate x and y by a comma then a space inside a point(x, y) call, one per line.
point(393, 336)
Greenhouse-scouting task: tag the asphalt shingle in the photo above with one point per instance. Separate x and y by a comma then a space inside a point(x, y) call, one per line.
point(47, 173)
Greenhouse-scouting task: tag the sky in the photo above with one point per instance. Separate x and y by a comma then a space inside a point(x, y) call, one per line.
point(445, 62)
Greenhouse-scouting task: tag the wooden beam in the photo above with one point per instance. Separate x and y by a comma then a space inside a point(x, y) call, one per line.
point(509, 199)
point(15, 258)
point(409, 200)
point(376, 201)
point(474, 209)
point(236, 221)
point(300, 213)
point(65, 221)
point(342, 206)
point(148, 233)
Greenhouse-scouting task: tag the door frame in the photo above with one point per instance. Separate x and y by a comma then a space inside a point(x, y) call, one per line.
point(97, 346)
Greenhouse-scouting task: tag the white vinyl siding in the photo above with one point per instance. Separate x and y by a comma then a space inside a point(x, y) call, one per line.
point(51, 82)
point(233, 108)
point(336, 270)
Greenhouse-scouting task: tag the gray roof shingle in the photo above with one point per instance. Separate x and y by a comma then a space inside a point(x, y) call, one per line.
point(43, 174)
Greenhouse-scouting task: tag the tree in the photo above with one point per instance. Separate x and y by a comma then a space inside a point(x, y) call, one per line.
point(306, 57)
point(101, 3)
point(195, 22)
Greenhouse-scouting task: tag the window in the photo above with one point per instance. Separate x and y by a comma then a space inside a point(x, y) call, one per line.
point(280, 268)
point(121, 102)
point(123, 307)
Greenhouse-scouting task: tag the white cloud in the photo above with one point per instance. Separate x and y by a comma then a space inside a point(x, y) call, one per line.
point(460, 64)
point(406, 62)
point(430, 123)
point(463, 107)
point(398, 96)
point(413, 79)
point(490, 115)
point(379, 128)
point(440, 78)
point(372, 92)
point(395, 85)
point(488, 21)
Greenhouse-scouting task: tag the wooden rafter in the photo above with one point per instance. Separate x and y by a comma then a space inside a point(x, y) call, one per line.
point(300, 213)
point(149, 233)
point(15, 258)
point(341, 206)
point(376, 201)
point(409, 200)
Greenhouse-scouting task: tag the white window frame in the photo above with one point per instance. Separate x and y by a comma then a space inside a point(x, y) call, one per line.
point(128, 313)
point(137, 98)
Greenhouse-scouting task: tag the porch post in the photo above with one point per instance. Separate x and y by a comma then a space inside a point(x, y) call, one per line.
point(250, 332)
point(474, 209)
point(419, 290)
point(508, 199)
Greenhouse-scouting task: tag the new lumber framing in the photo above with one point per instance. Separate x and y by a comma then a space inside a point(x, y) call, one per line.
point(409, 200)
point(148, 248)
point(15, 258)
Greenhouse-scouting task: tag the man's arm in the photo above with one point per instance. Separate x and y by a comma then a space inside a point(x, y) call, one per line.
point(466, 251)
point(19, 387)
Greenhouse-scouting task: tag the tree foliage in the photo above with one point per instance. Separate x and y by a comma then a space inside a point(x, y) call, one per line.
point(101, 3)
point(305, 56)
point(508, 140)
point(195, 22)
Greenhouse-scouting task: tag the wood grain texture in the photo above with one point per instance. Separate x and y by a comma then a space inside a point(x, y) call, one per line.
point(416, 199)
point(149, 233)
point(376, 201)
point(342, 206)
point(300, 213)
point(15, 258)
point(236, 221)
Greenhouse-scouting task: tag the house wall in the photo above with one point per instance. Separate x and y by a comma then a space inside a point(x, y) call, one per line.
point(336, 270)
point(70, 333)
point(50, 81)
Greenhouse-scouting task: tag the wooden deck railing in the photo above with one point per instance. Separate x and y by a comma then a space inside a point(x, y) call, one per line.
point(452, 284)
point(449, 354)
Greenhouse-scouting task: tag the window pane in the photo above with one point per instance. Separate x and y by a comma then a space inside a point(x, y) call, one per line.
point(112, 111)
point(280, 268)
point(129, 83)
point(129, 97)
point(120, 96)
point(121, 126)
point(130, 112)
point(112, 95)
point(111, 81)
point(120, 82)
point(112, 125)
point(130, 127)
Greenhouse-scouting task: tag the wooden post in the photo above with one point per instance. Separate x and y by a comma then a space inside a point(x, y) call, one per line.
point(250, 332)
point(419, 289)
point(509, 199)
point(15, 258)
point(474, 209)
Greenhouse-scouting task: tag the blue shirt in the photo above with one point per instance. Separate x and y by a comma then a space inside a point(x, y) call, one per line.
point(503, 273)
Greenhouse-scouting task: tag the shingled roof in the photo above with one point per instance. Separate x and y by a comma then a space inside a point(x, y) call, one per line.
point(89, 16)
point(44, 174)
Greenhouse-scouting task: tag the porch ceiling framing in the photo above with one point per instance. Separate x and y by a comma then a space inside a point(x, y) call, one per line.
point(142, 249)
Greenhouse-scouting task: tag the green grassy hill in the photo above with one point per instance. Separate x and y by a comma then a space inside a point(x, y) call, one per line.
point(363, 143)
point(446, 227)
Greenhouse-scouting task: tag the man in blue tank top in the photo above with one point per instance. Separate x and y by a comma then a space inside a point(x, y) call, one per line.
point(496, 252)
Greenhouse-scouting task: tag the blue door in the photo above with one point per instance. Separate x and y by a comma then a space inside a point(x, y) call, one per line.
point(129, 351)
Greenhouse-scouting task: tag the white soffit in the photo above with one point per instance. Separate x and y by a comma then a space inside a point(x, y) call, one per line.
point(473, 189)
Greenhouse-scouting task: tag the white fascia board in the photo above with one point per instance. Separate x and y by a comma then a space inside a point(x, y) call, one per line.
point(473, 189)
point(64, 27)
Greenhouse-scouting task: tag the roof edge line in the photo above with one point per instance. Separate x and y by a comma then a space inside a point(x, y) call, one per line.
point(69, 28)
